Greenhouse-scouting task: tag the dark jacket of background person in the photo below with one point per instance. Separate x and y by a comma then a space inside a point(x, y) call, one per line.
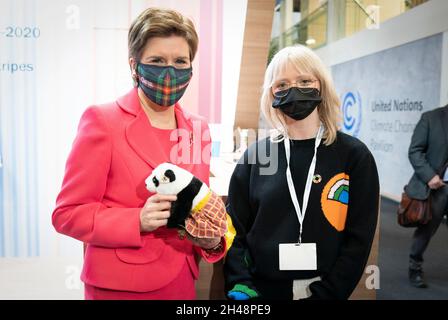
point(428, 151)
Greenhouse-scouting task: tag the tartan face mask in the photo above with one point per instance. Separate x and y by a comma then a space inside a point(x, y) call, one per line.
point(163, 85)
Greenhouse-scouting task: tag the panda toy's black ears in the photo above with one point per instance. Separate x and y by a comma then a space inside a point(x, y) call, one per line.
point(170, 175)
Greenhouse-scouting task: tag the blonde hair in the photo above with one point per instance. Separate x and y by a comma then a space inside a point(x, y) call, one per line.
point(304, 60)
point(156, 22)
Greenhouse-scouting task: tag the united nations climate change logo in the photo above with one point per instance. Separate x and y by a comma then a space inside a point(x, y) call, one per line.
point(352, 113)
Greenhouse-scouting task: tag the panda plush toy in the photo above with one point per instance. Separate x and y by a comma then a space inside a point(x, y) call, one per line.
point(197, 209)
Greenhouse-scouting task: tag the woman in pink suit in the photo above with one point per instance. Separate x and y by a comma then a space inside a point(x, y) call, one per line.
point(130, 253)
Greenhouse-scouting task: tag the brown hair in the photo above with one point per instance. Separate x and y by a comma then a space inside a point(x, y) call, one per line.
point(156, 22)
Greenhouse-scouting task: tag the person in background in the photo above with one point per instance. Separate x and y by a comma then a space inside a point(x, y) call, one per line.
point(428, 154)
point(130, 253)
point(304, 230)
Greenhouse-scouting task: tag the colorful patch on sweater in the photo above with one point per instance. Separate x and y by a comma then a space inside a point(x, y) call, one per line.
point(334, 200)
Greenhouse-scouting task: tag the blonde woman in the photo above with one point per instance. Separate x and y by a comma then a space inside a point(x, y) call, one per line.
point(305, 229)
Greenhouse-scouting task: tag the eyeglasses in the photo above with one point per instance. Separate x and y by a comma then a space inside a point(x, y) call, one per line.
point(280, 89)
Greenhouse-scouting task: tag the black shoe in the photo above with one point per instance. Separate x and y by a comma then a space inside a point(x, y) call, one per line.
point(416, 278)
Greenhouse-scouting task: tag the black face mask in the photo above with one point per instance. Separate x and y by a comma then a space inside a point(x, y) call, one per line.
point(297, 104)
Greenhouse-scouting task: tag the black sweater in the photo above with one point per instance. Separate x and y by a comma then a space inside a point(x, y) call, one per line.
point(263, 216)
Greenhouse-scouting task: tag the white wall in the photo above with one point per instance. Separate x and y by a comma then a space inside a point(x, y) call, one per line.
point(234, 17)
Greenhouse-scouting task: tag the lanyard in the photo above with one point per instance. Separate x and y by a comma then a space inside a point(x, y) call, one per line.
point(309, 179)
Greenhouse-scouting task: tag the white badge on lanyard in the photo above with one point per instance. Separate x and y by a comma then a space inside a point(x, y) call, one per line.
point(299, 256)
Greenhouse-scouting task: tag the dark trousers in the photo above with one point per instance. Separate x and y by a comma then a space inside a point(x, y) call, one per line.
point(274, 289)
point(424, 233)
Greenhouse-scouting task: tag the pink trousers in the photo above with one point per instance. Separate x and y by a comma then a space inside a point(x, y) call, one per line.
point(181, 288)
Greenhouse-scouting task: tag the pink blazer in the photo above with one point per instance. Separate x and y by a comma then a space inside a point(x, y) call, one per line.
point(104, 190)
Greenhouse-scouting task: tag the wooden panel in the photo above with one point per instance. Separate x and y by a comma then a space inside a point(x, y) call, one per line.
point(361, 292)
point(204, 283)
point(257, 35)
point(210, 284)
